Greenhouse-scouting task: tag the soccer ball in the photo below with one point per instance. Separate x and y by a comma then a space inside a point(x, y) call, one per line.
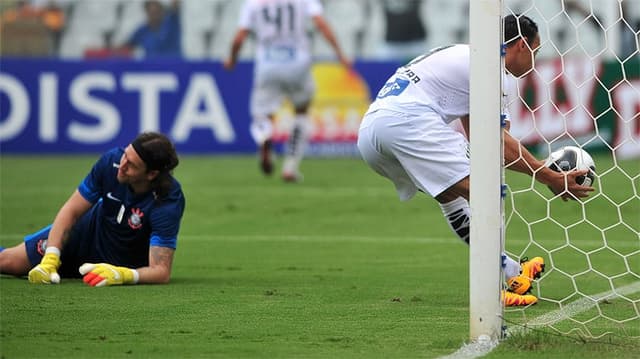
point(571, 157)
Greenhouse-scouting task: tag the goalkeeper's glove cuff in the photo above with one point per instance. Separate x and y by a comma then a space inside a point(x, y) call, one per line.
point(136, 276)
point(53, 250)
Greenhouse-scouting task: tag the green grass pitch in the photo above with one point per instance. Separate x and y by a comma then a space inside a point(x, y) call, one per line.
point(334, 267)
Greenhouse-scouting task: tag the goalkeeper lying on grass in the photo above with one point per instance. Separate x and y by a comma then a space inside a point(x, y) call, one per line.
point(119, 227)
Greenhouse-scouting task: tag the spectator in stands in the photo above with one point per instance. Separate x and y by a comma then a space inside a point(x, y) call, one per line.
point(160, 36)
point(54, 19)
point(28, 29)
point(405, 33)
point(18, 10)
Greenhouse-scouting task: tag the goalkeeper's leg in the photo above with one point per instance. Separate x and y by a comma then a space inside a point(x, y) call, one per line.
point(14, 260)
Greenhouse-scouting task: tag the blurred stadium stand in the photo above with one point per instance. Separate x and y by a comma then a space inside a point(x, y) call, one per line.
point(90, 23)
point(209, 25)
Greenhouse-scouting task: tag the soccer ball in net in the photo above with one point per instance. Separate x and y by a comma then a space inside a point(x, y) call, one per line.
point(569, 158)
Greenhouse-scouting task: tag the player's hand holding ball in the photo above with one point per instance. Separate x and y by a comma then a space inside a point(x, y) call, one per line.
point(578, 167)
point(103, 274)
point(47, 271)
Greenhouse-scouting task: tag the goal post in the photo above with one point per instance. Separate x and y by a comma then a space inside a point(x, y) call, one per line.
point(486, 202)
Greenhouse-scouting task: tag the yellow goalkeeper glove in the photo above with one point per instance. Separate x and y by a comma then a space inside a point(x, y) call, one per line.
point(47, 271)
point(101, 274)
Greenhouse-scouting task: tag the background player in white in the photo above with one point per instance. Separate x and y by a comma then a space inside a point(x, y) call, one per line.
point(282, 69)
point(405, 136)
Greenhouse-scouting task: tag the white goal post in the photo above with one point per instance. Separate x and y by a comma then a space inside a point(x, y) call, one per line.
point(487, 234)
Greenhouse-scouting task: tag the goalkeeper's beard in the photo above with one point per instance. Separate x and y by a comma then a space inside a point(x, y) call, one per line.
point(121, 177)
point(131, 181)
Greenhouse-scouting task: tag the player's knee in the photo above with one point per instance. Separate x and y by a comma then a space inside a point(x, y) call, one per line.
point(14, 261)
point(447, 196)
point(460, 189)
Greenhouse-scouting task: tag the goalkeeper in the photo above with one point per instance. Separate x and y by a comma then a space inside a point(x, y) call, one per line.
point(405, 136)
point(120, 225)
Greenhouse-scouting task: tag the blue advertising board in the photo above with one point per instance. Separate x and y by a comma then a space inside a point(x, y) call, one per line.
point(61, 106)
point(56, 106)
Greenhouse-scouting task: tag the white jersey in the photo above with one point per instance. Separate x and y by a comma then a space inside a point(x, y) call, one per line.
point(405, 135)
point(280, 29)
point(283, 53)
point(436, 81)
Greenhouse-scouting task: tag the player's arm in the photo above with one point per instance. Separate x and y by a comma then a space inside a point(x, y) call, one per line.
point(46, 271)
point(66, 218)
point(518, 158)
point(159, 269)
point(326, 31)
point(236, 46)
point(105, 274)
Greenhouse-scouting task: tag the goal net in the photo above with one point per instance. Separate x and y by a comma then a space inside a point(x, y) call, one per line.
point(583, 91)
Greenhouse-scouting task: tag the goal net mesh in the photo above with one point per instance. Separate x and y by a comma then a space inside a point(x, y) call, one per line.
point(583, 91)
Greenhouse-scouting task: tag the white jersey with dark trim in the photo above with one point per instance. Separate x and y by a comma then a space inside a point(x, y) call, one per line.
point(280, 28)
point(436, 81)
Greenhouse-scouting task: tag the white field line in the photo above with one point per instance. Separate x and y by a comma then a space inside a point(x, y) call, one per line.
point(473, 350)
point(575, 308)
point(319, 238)
point(292, 237)
point(479, 349)
point(246, 190)
point(323, 238)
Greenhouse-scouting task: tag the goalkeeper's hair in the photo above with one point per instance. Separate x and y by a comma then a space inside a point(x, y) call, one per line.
point(159, 154)
point(516, 26)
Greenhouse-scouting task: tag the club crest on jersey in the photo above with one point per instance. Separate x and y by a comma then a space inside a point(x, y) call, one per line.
point(393, 88)
point(135, 219)
point(41, 246)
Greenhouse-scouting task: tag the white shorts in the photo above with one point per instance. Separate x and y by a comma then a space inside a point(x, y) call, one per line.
point(416, 152)
point(273, 84)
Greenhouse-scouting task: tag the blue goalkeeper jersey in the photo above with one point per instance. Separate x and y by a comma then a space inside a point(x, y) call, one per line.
point(121, 225)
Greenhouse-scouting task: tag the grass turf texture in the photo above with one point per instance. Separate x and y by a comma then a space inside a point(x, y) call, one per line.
point(332, 267)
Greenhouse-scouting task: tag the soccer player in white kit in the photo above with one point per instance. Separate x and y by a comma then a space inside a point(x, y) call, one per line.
point(405, 136)
point(282, 69)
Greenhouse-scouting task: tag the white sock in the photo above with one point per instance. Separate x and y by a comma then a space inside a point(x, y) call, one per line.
point(458, 215)
point(297, 144)
point(510, 266)
point(261, 130)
